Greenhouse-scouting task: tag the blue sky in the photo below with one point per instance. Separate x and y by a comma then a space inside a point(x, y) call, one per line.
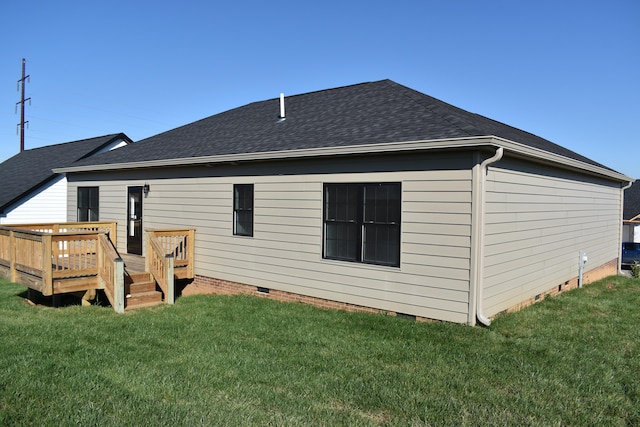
point(568, 71)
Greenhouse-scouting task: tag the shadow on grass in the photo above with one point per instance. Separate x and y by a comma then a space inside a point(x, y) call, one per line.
point(35, 298)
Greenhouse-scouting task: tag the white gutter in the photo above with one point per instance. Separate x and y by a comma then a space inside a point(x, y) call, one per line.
point(478, 246)
point(621, 225)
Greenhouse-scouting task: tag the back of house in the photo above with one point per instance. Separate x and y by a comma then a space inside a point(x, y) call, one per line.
point(367, 197)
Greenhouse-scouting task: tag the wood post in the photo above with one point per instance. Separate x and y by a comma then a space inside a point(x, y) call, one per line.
point(12, 255)
point(191, 251)
point(47, 265)
point(100, 255)
point(88, 297)
point(112, 233)
point(118, 285)
point(149, 252)
point(171, 296)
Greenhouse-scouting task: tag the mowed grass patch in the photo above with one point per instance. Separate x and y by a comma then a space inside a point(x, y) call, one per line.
point(217, 360)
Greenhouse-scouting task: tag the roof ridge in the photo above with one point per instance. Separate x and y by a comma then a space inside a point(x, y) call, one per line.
point(315, 92)
point(110, 135)
point(419, 98)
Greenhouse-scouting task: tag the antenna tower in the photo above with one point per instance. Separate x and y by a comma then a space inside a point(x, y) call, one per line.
point(21, 82)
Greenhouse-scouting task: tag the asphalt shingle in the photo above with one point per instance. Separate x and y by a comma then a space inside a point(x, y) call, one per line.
point(632, 201)
point(30, 169)
point(367, 113)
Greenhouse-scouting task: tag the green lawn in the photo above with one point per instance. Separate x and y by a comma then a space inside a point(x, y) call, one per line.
point(213, 360)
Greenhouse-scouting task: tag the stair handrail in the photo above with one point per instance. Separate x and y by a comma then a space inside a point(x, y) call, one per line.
point(180, 242)
point(161, 266)
point(111, 272)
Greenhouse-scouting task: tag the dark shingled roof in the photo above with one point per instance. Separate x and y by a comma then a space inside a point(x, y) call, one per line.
point(30, 169)
point(367, 113)
point(632, 201)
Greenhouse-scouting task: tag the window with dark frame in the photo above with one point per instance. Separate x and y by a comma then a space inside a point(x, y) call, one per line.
point(362, 222)
point(243, 210)
point(88, 204)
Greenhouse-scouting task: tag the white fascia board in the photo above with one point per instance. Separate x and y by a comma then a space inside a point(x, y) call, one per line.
point(438, 144)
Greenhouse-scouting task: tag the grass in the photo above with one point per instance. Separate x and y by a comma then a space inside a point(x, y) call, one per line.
point(213, 360)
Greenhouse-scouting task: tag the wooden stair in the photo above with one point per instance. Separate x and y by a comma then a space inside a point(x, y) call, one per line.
point(140, 291)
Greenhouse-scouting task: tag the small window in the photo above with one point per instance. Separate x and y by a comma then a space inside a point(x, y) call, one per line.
point(362, 223)
point(243, 209)
point(88, 204)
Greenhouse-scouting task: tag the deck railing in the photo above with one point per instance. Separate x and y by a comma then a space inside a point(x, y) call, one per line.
point(106, 227)
point(71, 257)
point(161, 266)
point(180, 244)
point(38, 257)
point(111, 273)
point(170, 255)
point(22, 258)
point(74, 254)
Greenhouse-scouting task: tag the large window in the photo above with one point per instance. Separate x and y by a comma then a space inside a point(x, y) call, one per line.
point(243, 209)
point(362, 222)
point(88, 204)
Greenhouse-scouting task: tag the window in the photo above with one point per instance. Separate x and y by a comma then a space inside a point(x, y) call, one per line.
point(362, 223)
point(88, 204)
point(243, 209)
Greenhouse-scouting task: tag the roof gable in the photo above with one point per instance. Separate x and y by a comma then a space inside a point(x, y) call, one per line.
point(632, 201)
point(380, 112)
point(30, 169)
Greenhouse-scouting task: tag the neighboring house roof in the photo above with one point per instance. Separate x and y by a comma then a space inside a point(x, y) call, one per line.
point(631, 202)
point(30, 169)
point(365, 115)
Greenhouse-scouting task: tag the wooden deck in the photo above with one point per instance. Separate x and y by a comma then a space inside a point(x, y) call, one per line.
point(75, 257)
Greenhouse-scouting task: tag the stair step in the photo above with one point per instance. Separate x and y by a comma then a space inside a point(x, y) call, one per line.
point(139, 287)
point(143, 299)
point(138, 277)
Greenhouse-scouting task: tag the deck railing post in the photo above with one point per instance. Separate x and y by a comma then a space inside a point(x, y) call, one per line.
point(47, 264)
point(100, 256)
point(12, 255)
point(191, 250)
point(170, 297)
point(112, 233)
point(149, 252)
point(118, 285)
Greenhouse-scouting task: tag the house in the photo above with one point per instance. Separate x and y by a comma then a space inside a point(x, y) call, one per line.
point(372, 196)
point(631, 214)
point(31, 192)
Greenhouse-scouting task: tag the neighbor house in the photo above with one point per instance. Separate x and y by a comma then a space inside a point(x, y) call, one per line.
point(631, 214)
point(372, 196)
point(30, 192)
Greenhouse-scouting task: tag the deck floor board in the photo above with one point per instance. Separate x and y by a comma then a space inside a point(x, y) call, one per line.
point(134, 263)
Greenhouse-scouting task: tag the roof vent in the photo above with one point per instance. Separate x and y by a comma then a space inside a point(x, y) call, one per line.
point(282, 116)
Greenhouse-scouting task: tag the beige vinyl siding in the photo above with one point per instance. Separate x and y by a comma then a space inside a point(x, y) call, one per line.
point(285, 252)
point(112, 206)
point(536, 223)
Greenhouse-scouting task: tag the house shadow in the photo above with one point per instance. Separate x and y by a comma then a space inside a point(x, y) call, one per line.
point(35, 298)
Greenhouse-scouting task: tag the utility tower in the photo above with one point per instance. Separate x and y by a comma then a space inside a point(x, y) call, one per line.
point(21, 82)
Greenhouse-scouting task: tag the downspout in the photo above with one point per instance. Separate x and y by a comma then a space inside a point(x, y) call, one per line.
point(479, 231)
point(621, 225)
